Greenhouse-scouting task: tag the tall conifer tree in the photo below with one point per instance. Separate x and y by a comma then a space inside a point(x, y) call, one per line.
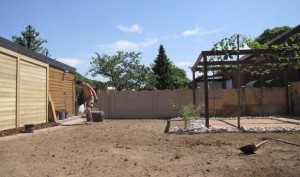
point(30, 40)
point(162, 70)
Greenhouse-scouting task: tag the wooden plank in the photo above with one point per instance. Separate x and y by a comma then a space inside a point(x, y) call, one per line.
point(40, 115)
point(32, 70)
point(7, 114)
point(7, 99)
point(31, 97)
point(8, 105)
point(7, 75)
point(37, 88)
point(7, 126)
point(31, 79)
point(8, 89)
point(7, 60)
point(40, 76)
point(8, 68)
point(33, 61)
point(7, 82)
point(33, 113)
point(7, 94)
point(31, 105)
point(52, 111)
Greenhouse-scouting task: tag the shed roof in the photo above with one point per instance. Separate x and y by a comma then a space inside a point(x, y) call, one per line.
point(24, 51)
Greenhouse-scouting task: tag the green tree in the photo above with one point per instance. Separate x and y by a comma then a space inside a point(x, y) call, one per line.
point(30, 40)
point(162, 70)
point(123, 70)
point(150, 80)
point(179, 78)
point(270, 34)
point(286, 53)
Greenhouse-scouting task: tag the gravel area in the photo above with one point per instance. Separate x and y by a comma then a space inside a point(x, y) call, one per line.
point(198, 126)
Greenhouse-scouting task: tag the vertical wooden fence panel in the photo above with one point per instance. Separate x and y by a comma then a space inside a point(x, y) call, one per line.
point(62, 91)
point(33, 93)
point(8, 78)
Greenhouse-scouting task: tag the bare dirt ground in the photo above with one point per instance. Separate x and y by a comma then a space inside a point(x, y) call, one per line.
point(141, 148)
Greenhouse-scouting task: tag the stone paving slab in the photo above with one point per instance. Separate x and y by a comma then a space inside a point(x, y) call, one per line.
point(288, 120)
point(266, 122)
point(76, 120)
point(219, 124)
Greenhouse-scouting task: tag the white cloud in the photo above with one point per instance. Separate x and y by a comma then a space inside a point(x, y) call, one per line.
point(199, 32)
point(70, 61)
point(123, 45)
point(149, 42)
point(132, 29)
point(191, 32)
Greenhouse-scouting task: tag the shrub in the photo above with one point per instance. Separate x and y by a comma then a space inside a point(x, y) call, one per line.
point(188, 111)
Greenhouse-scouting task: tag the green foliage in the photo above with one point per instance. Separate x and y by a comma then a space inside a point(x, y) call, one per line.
point(233, 44)
point(123, 70)
point(188, 111)
point(29, 39)
point(162, 70)
point(179, 78)
point(270, 34)
point(167, 75)
point(150, 81)
point(286, 54)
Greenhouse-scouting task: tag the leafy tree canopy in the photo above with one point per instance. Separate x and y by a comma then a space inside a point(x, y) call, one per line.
point(123, 70)
point(270, 34)
point(285, 54)
point(180, 80)
point(30, 40)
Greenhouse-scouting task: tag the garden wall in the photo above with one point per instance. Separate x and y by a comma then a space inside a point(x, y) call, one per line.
point(222, 102)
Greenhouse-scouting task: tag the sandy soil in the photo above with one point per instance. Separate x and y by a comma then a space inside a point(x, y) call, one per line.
point(140, 148)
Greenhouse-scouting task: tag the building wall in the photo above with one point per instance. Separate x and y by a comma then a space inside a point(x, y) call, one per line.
point(292, 75)
point(61, 89)
point(33, 93)
point(8, 91)
point(23, 90)
point(222, 102)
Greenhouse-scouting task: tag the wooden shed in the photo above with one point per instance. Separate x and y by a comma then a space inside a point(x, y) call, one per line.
point(26, 81)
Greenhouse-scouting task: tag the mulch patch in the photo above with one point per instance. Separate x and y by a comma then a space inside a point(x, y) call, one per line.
point(14, 131)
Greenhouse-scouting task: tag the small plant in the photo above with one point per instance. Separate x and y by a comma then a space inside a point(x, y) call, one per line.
point(188, 111)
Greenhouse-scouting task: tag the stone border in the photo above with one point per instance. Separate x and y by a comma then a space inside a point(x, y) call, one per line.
point(198, 126)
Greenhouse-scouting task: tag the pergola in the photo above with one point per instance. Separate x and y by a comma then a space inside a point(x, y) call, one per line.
point(248, 59)
point(203, 64)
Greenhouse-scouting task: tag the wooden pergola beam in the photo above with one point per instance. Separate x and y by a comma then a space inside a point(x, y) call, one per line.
point(204, 54)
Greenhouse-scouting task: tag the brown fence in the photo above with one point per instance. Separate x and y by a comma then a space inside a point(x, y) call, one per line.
point(222, 102)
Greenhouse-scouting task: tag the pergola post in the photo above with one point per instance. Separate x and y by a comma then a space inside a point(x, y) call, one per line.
point(194, 88)
point(206, 93)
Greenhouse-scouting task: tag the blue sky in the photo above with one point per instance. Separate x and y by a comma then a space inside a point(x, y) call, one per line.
point(76, 29)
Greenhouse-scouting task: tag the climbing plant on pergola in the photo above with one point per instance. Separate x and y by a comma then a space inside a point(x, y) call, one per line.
point(283, 56)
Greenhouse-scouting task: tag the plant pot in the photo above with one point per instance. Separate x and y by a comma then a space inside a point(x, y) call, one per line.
point(29, 128)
